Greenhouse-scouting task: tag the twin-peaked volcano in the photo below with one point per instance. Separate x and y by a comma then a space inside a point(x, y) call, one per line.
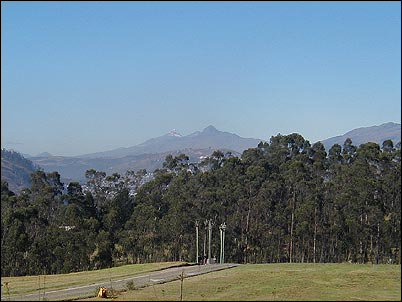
point(208, 138)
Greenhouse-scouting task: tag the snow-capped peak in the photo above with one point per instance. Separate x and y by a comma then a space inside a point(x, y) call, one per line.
point(174, 133)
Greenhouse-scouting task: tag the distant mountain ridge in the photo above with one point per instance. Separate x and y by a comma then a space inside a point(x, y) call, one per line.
point(209, 138)
point(75, 168)
point(151, 154)
point(43, 154)
point(375, 134)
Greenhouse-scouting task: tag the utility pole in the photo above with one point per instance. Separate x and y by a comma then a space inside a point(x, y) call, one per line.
point(220, 237)
point(222, 228)
point(196, 241)
point(209, 240)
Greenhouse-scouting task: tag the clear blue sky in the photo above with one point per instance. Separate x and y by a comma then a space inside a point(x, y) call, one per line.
point(81, 77)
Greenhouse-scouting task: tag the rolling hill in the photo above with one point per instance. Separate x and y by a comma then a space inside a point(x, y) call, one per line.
point(74, 168)
point(376, 134)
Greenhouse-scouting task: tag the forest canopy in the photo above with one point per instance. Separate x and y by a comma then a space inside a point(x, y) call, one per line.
point(283, 201)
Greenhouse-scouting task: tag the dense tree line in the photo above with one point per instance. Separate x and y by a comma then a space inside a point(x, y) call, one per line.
point(283, 201)
point(17, 158)
point(16, 169)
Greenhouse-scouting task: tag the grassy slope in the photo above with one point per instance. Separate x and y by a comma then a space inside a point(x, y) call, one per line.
point(29, 284)
point(283, 282)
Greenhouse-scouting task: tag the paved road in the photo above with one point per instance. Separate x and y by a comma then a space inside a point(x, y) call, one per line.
point(147, 279)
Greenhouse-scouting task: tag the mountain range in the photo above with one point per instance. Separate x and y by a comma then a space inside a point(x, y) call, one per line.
point(151, 154)
point(209, 138)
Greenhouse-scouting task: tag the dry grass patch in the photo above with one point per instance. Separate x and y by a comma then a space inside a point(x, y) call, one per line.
point(281, 282)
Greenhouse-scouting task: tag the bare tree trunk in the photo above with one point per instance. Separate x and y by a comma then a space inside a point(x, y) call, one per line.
point(279, 250)
point(291, 227)
point(247, 225)
point(378, 243)
point(315, 233)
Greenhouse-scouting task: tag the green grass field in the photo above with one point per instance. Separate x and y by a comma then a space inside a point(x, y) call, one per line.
point(29, 284)
point(281, 282)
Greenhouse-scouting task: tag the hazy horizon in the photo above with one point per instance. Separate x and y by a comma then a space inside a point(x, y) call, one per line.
point(184, 134)
point(85, 77)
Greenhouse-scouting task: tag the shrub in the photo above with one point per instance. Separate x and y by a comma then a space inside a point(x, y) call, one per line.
point(130, 285)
